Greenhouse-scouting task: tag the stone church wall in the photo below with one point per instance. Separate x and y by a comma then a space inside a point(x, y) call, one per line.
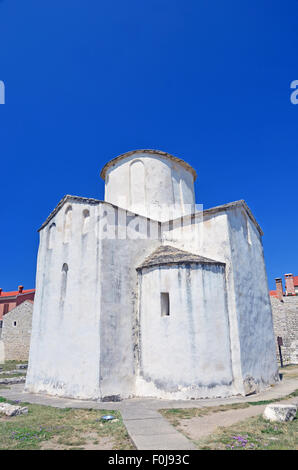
point(285, 319)
point(16, 332)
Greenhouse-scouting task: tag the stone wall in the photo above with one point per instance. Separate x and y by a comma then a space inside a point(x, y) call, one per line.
point(285, 319)
point(16, 332)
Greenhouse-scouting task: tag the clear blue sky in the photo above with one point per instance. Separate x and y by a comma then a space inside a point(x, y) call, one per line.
point(205, 80)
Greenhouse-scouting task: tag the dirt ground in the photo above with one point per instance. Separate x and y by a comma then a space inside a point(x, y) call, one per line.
point(92, 442)
point(198, 427)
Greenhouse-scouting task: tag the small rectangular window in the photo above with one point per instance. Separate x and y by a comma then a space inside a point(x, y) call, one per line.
point(165, 304)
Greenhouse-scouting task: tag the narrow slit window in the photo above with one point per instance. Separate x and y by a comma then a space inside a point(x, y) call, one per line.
point(165, 304)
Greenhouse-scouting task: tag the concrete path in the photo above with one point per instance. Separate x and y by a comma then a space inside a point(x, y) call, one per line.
point(146, 427)
point(150, 431)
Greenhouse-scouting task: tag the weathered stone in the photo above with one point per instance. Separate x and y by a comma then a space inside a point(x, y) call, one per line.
point(250, 386)
point(112, 398)
point(12, 380)
point(12, 410)
point(285, 320)
point(281, 413)
point(165, 255)
point(16, 332)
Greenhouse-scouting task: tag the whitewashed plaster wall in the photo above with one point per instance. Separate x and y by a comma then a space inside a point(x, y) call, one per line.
point(82, 342)
point(228, 235)
point(208, 235)
point(257, 342)
point(145, 184)
point(118, 328)
point(65, 342)
point(87, 349)
point(186, 354)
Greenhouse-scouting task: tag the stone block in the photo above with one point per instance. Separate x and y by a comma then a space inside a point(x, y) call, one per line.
point(250, 386)
point(12, 410)
point(280, 413)
point(12, 380)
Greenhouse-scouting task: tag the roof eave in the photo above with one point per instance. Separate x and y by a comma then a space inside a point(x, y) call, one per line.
point(115, 160)
point(168, 263)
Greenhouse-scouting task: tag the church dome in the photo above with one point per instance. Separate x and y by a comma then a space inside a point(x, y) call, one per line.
point(151, 183)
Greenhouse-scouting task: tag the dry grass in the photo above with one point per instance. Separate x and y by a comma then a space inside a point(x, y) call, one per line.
point(11, 376)
point(253, 434)
point(175, 415)
point(289, 372)
point(46, 427)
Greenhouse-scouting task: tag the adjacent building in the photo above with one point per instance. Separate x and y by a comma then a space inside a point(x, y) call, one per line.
point(10, 300)
point(284, 300)
point(16, 332)
point(16, 309)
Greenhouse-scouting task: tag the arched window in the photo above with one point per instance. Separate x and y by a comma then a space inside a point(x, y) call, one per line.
point(51, 236)
point(67, 224)
point(137, 186)
point(64, 274)
point(86, 221)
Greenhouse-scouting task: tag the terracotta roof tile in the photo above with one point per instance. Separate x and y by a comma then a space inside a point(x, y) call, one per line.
point(15, 293)
point(272, 293)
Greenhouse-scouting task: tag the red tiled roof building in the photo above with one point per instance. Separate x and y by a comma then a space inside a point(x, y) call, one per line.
point(9, 300)
point(291, 286)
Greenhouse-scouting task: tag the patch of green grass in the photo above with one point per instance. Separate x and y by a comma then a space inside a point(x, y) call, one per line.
point(262, 402)
point(11, 365)
point(288, 367)
point(253, 434)
point(30, 437)
point(67, 426)
point(289, 372)
point(11, 376)
point(274, 400)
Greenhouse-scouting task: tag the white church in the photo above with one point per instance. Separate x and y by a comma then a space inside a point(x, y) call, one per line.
point(145, 294)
